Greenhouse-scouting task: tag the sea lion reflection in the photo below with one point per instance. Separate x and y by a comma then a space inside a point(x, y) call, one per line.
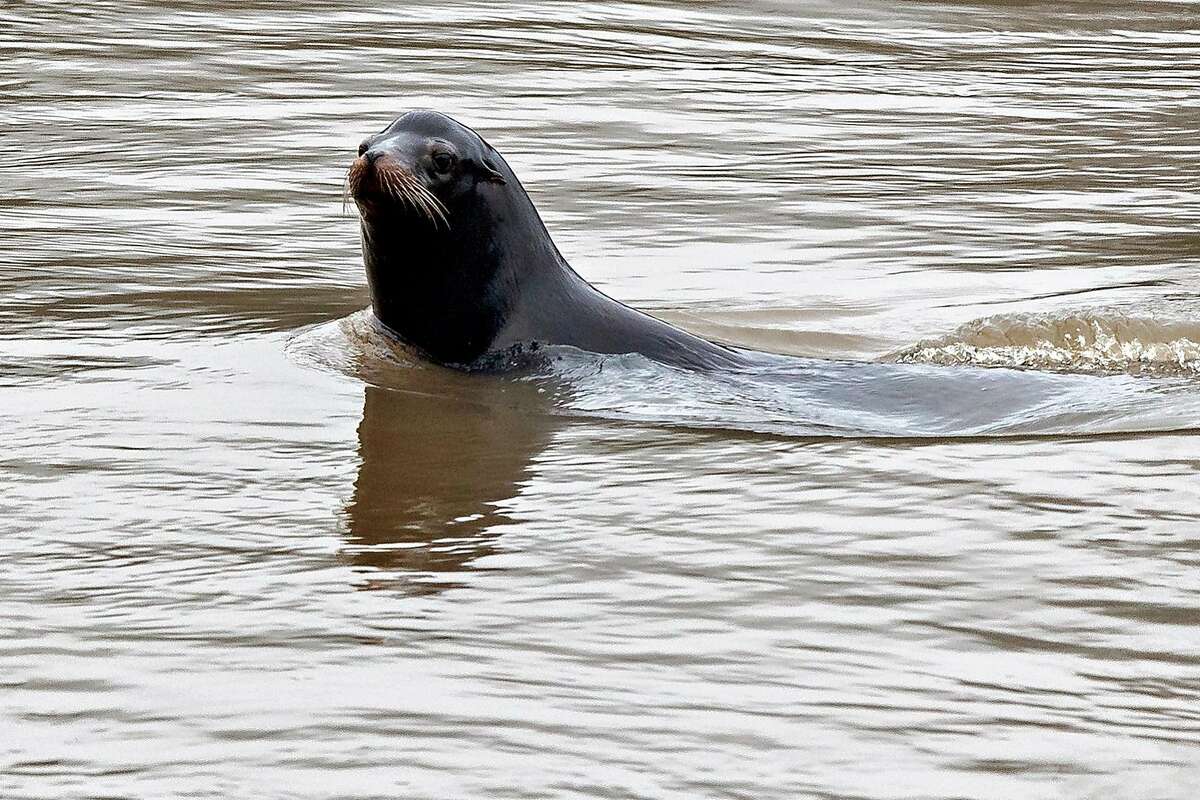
point(434, 469)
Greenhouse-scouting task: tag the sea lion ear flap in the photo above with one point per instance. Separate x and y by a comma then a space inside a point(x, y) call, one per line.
point(489, 173)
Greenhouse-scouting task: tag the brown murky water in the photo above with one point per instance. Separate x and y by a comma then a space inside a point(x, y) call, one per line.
point(248, 552)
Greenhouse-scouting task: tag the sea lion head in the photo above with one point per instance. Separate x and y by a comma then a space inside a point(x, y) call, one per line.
point(419, 167)
point(450, 238)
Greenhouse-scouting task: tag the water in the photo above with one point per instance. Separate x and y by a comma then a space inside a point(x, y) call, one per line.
point(251, 550)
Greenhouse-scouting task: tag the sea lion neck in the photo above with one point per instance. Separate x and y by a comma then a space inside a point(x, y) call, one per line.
point(450, 290)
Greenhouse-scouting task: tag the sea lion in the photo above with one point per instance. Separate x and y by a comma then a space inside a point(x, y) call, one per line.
point(462, 268)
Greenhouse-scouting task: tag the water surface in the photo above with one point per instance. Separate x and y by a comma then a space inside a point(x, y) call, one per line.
point(252, 551)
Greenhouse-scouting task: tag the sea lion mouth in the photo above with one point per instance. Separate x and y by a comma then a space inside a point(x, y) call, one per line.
point(377, 183)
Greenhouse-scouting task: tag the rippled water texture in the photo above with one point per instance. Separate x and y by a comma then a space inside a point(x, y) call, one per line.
point(251, 549)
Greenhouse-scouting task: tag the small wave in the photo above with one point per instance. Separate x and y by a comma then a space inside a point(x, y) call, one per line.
point(355, 345)
point(1097, 342)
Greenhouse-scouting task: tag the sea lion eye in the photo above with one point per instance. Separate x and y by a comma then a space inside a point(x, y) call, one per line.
point(442, 162)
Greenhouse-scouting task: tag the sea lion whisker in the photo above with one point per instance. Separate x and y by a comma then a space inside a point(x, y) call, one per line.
point(437, 206)
point(431, 211)
point(390, 184)
point(420, 199)
point(405, 194)
point(435, 216)
point(433, 207)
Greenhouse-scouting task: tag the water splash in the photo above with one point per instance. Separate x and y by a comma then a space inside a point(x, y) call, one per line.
point(1096, 341)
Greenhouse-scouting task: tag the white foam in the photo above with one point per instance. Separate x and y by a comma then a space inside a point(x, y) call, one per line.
point(1098, 341)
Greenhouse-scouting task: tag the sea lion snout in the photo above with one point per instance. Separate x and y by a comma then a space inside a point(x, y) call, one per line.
point(380, 181)
point(378, 159)
point(374, 172)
